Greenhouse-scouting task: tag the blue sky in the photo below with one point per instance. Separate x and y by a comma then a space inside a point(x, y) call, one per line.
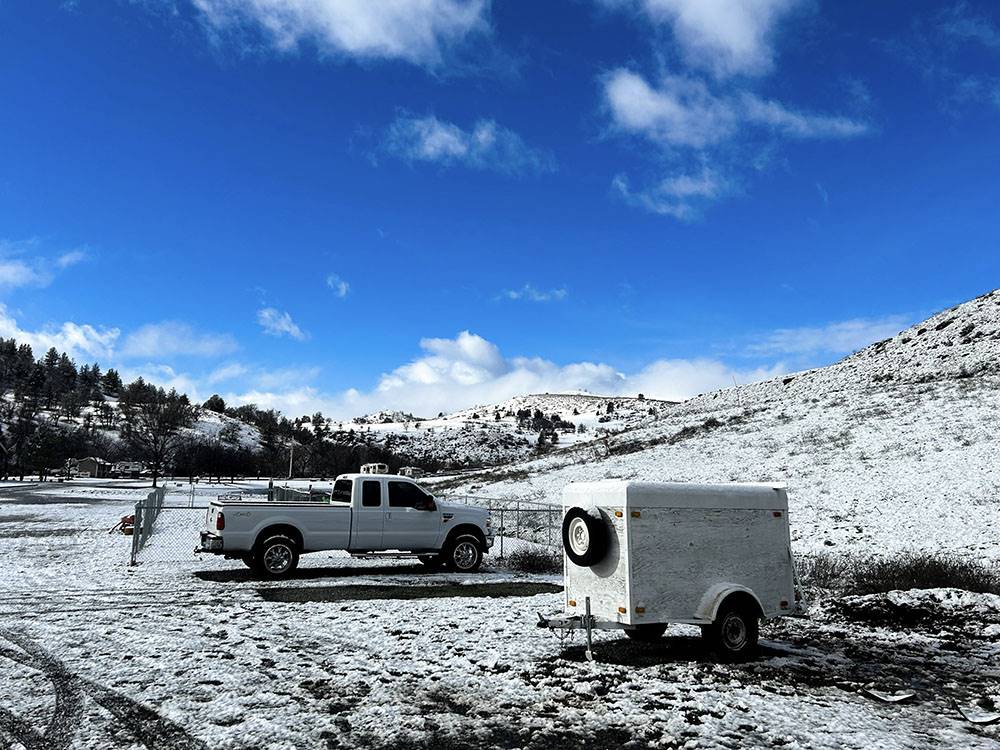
point(321, 204)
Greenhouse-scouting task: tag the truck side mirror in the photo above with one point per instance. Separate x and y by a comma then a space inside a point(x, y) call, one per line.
point(427, 504)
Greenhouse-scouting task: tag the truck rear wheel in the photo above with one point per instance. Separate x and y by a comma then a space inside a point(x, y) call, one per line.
point(647, 633)
point(464, 554)
point(277, 557)
point(734, 634)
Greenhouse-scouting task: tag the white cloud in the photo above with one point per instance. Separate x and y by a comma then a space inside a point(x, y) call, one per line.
point(469, 370)
point(530, 293)
point(226, 373)
point(486, 146)
point(338, 285)
point(16, 273)
point(417, 31)
point(724, 37)
point(841, 337)
point(171, 338)
point(682, 112)
point(277, 323)
point(21, 265)
point(690, 124)
point(680, 196)
point(78, 341)
point(71, 258)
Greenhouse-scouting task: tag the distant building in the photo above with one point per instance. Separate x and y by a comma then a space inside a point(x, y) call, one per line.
point(414, 472)
point(91, 467)
point(374, 469)
point(127, 469)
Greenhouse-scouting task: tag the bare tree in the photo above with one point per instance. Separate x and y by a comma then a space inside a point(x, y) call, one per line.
point(156, 420)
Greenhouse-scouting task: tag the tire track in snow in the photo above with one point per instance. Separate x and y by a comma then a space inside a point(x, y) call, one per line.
point(143, 723)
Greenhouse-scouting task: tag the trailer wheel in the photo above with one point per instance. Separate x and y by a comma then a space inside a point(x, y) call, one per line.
point(277, 557)
point(647, 633)
point(734, 634)
point(464, 554)
point(585, 538)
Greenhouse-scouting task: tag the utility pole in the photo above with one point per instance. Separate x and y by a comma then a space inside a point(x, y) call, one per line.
point(291, 455)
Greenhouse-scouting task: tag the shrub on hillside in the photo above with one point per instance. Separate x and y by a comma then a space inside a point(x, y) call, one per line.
point(904, 571)
point(534, 560)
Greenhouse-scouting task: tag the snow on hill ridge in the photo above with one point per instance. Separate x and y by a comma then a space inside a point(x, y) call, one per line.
point(892, 447)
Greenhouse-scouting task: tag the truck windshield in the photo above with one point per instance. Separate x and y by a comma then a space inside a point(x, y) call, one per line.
point(341, 491)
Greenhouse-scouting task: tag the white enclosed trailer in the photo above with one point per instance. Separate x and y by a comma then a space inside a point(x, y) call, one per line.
point(640, 555)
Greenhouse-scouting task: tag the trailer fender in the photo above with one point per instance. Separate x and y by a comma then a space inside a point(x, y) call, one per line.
point(713, 598)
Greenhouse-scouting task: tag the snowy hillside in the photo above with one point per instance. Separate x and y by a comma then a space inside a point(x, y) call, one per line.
point(893, 447)
point(494, 434)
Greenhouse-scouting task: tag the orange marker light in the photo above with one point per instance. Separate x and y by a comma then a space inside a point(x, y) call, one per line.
point(618, 514)
point(640, 610)
point(572, 602)
point(636, 514)
point(777, 514)
point(622, 610)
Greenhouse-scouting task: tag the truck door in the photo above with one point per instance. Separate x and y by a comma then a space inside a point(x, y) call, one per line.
point(368, 516)
point(412, 520)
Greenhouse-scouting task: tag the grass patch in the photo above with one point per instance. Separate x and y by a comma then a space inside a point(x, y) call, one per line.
point(901, 572)
point(534, 560)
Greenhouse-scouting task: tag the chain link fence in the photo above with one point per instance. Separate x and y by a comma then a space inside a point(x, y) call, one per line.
point(168, 524)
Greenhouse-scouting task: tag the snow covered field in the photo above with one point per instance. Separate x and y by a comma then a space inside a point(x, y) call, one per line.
point(352, 654)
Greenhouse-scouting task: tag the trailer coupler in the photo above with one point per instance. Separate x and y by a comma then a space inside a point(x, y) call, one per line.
point(585, 622)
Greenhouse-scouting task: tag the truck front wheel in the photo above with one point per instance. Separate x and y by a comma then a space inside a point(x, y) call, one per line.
point(464, 554)
point(277, 557)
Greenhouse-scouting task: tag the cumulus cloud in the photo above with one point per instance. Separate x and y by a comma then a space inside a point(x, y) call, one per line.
point(486, 145)
point(841, 337)
point(530, 293)
point(417, 31)
point(277, 323)
point(79, 341)
point(338, 285)
point(172, 338)
point(469, 370)
point(723, 37)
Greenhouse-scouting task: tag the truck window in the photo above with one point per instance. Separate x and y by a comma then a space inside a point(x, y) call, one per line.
point(371, 493)
point(341, 491)
point(405, 495)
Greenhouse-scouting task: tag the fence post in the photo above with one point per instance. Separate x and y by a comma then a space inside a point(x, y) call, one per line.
point(503, 532)
point(136, 526)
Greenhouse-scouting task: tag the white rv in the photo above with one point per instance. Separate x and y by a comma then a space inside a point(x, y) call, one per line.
point(640, 555)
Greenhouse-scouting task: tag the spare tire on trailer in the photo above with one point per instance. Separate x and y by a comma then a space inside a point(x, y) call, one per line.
point(585, 537)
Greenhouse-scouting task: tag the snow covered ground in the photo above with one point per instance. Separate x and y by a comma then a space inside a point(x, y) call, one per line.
point(351, 654)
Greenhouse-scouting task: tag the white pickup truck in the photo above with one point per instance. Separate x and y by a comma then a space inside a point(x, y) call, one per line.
point(368, 515)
